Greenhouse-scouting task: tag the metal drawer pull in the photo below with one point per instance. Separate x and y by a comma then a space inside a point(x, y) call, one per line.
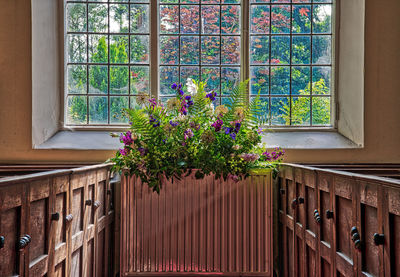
point(379, 239)
point(24, 241)
point(301, 200)
point(96, 204)
point(355, 237)
point(88, 202)
point(69, 218)
point(317, 216)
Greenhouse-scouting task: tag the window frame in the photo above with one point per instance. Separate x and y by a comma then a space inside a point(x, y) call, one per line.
point(154, 65)
point(49, 132)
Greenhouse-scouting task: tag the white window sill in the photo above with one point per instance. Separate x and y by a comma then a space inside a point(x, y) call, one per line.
point(101, 140)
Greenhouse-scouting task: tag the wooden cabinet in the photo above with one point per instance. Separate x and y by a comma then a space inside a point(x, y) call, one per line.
point(338, 224)
point(57, 223)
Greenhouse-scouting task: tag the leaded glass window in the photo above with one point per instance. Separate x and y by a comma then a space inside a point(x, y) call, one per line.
point(283, 46)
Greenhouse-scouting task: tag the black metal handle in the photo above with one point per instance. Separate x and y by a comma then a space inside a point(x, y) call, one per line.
point(88, 202)
point(282, 191)
point(24, 241)
point(317, 217)
point(69, 218)
point(2, 241)
point(301, 200)
point(355, 237)
point(329, 214)
point(379, 239)
point(55, 216)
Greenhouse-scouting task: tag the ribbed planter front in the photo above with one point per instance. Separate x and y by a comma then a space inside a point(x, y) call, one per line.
point(197, 227)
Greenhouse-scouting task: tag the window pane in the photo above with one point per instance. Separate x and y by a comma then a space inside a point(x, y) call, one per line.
point(76, 17)
point(259, 50)
point(119, 79)
point(119, 21)
point(98, 110)
point(77, 79)
point(107, 56)
point(98, 79)
point(98, 14)
point(291, 59)
point(77, 48)
point(76, 110)
point(259, 80)
point(139, 18)
point(117, 105)
point(169, 50)
point(98, 49)
point(198, 40)
point(321, 111)
point(140, 80)
point(140, 49)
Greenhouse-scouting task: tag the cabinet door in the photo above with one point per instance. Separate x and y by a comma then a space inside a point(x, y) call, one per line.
point(12, 227)
point(325, 204)
point(39, 206)
point(345, 208)
point(75, 228)
point(392, 231)
point(58, 227)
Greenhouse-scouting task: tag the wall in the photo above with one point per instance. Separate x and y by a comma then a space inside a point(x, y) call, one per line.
point(382, 93)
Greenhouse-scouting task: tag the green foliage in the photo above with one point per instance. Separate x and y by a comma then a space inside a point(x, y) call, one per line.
point(188, 133)
point(301, 106)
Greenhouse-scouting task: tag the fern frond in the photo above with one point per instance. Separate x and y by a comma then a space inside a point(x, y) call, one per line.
point(237, 99)
point(140, 122)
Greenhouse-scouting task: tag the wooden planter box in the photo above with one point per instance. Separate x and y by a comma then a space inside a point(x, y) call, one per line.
point(197, 227)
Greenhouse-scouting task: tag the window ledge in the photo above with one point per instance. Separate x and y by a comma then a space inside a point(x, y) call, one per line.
point(101, 140)
point(81, 140)
point(308, 140)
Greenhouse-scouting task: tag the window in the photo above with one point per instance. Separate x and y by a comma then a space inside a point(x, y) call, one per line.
point(283, 46)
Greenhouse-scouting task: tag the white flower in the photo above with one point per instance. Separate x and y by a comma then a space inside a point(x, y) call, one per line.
point(191, 86)
point(210, 109)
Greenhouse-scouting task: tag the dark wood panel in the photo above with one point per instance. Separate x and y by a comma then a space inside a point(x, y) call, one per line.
point(49, 227)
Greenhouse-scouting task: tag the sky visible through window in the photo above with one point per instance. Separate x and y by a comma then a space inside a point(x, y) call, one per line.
point(289, 52)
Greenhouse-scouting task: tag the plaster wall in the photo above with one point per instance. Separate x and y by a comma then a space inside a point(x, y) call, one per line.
point(382, 93)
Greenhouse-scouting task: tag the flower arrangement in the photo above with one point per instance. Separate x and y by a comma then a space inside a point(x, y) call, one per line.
point(188, 133)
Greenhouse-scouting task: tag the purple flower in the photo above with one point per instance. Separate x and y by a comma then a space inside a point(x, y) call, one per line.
point(233, 136)
point(142, 151)
point(127, 138)
point(154, 121)
point(174, 86)
point(228, 130)
point(180, 86)
point(250, 157)
point(123, 152)
point(188, 134)
point(173, 124)
point(237, 127)
point(275, 155)
point(153, 102)
point(260, 130)
point(195, 126)
point(217, 125)
point(211, 95)
point(181, 92)
point(188, 97)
